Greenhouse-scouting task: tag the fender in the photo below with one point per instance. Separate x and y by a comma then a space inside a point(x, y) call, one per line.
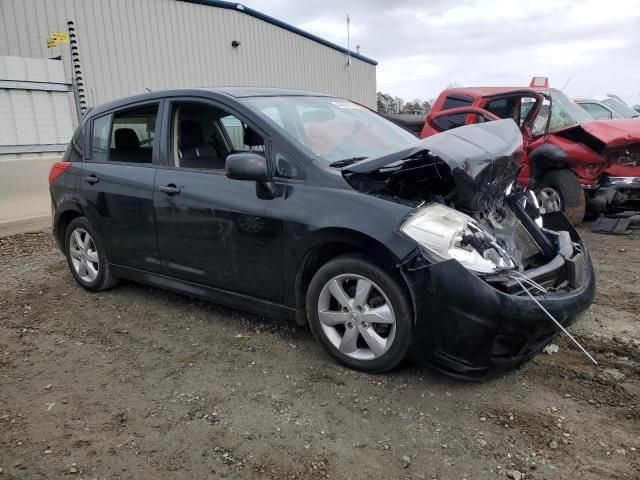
point(543, 158)
point(325, 244)
point(62, 210)
point(79, 207)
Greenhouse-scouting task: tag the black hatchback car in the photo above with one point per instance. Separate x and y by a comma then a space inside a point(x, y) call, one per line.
point(306, 206)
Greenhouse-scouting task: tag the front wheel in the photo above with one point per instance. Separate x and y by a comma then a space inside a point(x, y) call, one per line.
point(360, 314)
point(560, 190)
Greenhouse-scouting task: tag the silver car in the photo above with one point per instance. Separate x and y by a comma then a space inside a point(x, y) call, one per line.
point(606, 107)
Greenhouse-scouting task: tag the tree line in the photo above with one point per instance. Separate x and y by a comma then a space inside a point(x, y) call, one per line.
point(389, 104)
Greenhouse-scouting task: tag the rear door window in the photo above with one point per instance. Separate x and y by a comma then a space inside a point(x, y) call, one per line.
point(125, 136)
point(516, 107)
point(499, 107)
point(447, 122)
point(133, 134)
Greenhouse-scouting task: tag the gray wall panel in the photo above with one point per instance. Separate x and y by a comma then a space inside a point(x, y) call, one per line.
point(30, 116)
point(127, 46)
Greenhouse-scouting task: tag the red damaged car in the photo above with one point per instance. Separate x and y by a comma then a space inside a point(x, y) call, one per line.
point(571, 160)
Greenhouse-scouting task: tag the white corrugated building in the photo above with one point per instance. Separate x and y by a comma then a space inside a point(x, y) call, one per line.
point(127, 46)
point(123, 47)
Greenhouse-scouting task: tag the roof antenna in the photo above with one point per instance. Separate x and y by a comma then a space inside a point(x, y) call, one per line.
point(565, 84)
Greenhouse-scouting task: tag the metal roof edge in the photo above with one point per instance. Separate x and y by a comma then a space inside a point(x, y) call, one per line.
point(238, 7)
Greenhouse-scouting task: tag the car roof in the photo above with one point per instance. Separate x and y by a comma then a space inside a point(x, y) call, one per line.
point(598, 98)
point(236, 92)
point(243, 92)
point(594, 99)
point(491, 91)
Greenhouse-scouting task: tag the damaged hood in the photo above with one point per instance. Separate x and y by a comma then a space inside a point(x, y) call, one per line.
point(480, 161)
point(610, 133)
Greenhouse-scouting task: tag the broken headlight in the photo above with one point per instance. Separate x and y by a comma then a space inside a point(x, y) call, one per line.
point(444, 234)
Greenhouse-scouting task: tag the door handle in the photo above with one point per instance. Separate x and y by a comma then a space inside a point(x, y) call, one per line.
point(170, 189)
point(91, 179)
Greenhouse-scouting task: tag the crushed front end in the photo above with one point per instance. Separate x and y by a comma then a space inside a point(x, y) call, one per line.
point(488, 271)
point(476, 326)
point(618, 188)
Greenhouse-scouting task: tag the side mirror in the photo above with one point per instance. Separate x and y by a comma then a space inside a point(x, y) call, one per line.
point(247, 166)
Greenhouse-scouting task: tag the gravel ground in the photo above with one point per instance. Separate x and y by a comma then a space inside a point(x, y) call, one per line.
point(138, 383)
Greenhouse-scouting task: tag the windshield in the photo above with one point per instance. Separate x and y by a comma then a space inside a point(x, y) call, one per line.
point(336, 130)
point(564, 113)
point(621, 108)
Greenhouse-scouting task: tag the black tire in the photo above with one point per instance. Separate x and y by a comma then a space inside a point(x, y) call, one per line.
point(105, 278)
point(390, 286)
point(571, 194)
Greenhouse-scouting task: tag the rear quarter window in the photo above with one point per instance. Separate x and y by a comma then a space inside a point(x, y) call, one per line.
point(457, 120)
point(75, 149)
point(100, 138)
point(455, 101)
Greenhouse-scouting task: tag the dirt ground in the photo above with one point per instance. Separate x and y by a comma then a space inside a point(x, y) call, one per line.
point(138, 383)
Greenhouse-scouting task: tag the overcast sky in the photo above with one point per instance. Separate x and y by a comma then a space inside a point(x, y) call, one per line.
point(422, 46)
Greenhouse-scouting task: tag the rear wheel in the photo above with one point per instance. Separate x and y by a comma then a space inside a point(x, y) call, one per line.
point(360, 314)
point(86, 257)
point(560, 190)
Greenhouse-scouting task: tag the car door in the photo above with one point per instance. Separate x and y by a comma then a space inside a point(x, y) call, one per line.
point(213, 230)
point(116, 184)
point(457, 117)
point(522, 106)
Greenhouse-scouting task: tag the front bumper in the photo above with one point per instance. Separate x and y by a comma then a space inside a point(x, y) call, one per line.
point(468, 328)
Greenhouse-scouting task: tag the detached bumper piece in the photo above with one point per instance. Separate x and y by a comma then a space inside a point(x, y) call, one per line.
point(469, 328)
point(612, 226)
point(616, 194)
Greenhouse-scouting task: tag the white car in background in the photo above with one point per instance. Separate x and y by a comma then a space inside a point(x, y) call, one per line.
point(606, 107)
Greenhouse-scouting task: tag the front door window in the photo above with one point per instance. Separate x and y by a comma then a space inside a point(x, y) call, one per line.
point(203, 136)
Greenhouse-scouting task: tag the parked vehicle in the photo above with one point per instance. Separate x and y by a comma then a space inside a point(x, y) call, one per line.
point(606, 107)
point(570, 158)
point(300, 205)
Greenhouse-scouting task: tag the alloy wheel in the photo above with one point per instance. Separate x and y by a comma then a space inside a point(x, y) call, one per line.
point(357, 317)
point(549, 200)
point(84, 255)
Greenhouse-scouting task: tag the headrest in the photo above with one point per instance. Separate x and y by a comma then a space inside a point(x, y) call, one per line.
point(190, 134)
point(126, 139)
point(252, 138)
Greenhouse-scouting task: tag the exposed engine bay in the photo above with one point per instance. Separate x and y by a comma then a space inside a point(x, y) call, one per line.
point(469, 206)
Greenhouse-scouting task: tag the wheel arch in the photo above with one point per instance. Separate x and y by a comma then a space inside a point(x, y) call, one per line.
point(545, 158)
point(332, 243)
point(65, 213)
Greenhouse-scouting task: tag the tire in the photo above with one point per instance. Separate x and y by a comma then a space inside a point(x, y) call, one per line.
point(83, 246)
point(572, 198)
point(383, 320)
